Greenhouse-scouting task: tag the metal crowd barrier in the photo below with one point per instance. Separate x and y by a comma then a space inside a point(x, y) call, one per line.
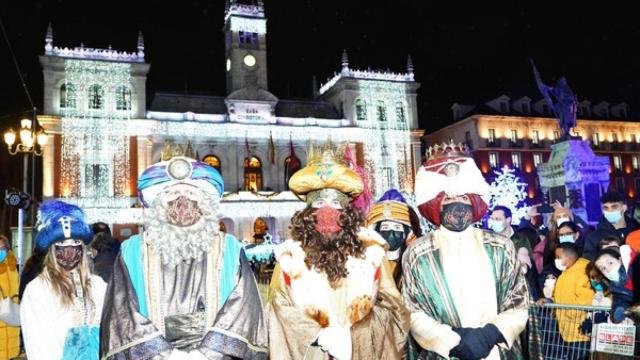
point(567, 332)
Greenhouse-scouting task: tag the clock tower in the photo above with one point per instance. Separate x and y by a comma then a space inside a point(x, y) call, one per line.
point(245, 28)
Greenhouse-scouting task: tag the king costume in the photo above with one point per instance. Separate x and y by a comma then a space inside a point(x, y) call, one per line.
point(332, 295)
point(398, 224)
point(182, 290)
point(52, 329)
point(463, 286)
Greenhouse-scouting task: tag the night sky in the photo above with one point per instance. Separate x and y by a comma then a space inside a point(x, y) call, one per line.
point(461, 52)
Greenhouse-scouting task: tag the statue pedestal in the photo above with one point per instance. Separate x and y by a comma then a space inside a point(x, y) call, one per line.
point(576, 177)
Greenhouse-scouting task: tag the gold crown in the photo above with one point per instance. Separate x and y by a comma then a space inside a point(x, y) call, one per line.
point(325, 153)
point(447, 150)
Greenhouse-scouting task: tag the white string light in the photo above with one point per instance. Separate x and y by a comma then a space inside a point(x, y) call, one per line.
point(387, 143)
point(95, 143)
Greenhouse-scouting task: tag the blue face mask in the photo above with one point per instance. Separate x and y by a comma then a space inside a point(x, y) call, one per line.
point(613, 216)
point(597, 286)
point(566, 239)
point(496, 226)
point(3, 254)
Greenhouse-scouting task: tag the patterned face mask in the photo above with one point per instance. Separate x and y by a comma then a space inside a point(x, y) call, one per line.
point(68, 257)
point(456, 216)
point(328, 220)
point(183, 212)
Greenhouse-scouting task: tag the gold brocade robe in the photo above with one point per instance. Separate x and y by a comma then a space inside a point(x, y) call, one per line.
point(381, 334)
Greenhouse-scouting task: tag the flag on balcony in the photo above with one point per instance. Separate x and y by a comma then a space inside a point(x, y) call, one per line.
point(272, 150)
point(363, 201)
point(294, 162)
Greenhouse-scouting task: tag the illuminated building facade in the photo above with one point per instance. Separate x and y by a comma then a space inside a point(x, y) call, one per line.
point(103, 136)
point(519, 134)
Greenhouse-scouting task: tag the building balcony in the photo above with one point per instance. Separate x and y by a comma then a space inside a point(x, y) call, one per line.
point(496, 143)
point(516, 144)
point(618, 146)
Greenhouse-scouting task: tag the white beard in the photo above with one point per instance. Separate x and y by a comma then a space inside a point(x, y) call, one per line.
point(176, 244)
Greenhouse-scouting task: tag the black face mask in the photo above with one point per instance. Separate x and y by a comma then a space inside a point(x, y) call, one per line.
point(68, 257)
point(456, 216)
point(394, 238)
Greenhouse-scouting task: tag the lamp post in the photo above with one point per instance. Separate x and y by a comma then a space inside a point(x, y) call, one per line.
point(27, 145)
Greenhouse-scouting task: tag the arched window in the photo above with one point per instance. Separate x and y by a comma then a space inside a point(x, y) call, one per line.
point(252, 174)
point(400, 116)
point(381, 111)
point(361, 110)
point(96, 97)
point(123, 98)
point(67, 96)
point(214, 161)
point(291, 165)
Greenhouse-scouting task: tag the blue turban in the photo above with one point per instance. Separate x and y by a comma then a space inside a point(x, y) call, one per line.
point(178, 170)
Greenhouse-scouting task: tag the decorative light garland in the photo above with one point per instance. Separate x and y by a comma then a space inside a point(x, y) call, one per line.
point(387, 141)
point(95, 142)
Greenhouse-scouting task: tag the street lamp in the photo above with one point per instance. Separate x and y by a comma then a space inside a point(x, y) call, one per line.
point(27, 145)
point(27, 139)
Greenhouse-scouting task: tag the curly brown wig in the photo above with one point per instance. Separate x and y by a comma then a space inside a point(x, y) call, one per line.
point(329, 253)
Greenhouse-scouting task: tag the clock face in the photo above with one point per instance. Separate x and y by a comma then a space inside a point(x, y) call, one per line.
point(249, 60)
point(179, 168)
point(228, 64)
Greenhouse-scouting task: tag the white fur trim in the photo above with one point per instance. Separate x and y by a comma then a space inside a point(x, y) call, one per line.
point(469, 180)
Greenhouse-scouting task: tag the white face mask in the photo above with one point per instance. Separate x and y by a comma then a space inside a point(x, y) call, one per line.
point(614, 275)
point(549, 283)
point(559, 265)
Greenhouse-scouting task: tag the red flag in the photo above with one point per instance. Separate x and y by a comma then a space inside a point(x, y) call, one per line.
point(246, 145)
point(272, 150)
point(364, 200)
point(294, 162)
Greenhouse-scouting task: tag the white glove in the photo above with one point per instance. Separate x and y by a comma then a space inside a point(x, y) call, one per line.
point(336, 341)
point(178, 355)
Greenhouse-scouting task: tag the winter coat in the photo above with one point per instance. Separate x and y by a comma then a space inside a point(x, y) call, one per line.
point(605, 228)
point(9, 336)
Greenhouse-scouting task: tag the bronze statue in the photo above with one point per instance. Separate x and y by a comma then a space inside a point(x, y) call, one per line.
point(562, 101)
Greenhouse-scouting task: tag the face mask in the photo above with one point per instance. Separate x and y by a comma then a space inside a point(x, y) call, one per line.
point(68, 257)
point(613, 216)
point(456, 216)
point(613, 276)
point(562, 220)
point(559, 265)
point(183, 212)
point(3, 254)
point(596, 286)
point(328, 220)
point(496, 226)
point(549, 283)
point(394, 238)
point(566, 239)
